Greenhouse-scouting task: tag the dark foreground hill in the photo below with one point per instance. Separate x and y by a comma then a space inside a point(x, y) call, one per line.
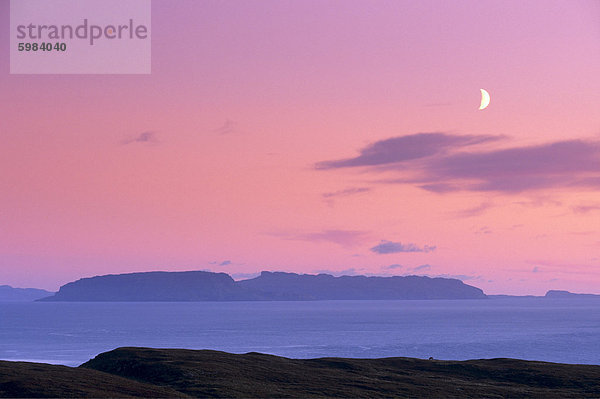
point(207, 286)
point(143, 372)
point(37, 380)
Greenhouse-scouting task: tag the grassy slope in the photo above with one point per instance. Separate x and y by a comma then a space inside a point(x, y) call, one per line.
point(172, 372)
point(33, 380)
point(219, 374)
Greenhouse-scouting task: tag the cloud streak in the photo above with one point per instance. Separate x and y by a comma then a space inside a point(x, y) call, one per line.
point(347, 192)
point(443, 163)
point(394, 266)
point(406, 148)
point(345, 238)
point(586, 208)
point(227, 127)
point(475, 211)
point(144, 137)
point(390, 247)
point(571, 163)
point(420, 268)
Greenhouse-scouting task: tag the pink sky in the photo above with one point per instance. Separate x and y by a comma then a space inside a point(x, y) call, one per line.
point(309, 136)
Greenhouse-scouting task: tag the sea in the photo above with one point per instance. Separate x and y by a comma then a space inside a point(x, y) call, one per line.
point(70, 333)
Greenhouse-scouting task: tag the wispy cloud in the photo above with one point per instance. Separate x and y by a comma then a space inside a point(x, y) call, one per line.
point(420, 268)
point(585, 208)
point(390, 247)
point(346, 192)
point(227, 127)
point(331, 197)
point(443, 163)
point(345, 238)
point(539, 201)
point(474, 211)
point(562, 267)
point(483, 230)
point(393, 267)
point(144, 137)
point(406, 148)
point(222, 263)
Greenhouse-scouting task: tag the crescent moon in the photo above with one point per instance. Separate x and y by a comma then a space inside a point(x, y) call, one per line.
point(485, 99)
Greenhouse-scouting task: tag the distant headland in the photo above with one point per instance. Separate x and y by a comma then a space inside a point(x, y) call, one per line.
point(567, 294)
point(551, 294)
point(10, 294)
point(269, 286)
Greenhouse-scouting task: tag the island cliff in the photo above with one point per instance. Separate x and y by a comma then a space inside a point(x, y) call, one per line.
point(327, 287)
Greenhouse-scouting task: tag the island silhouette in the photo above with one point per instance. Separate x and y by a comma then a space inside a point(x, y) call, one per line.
point(208, 286)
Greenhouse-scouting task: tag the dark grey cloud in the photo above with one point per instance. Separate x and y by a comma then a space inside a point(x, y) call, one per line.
point(144, 137)
point(442, 163)
point(406, 148)
point(554, 158)
point(559, 164)
point(390, 247)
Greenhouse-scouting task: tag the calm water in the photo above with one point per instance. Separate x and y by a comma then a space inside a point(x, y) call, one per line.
point(559, 330)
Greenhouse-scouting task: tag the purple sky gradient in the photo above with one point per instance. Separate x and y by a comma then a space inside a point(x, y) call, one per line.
point(298, 135)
